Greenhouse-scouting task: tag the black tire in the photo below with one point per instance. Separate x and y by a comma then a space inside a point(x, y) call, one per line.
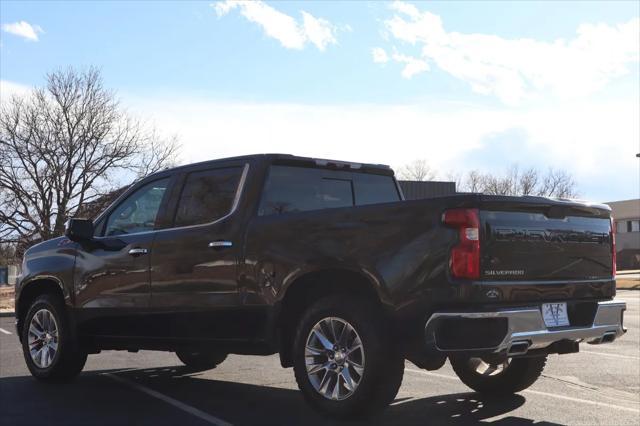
point(200, 359)
point(383, 369)
point(518, 375)
point(69, 358)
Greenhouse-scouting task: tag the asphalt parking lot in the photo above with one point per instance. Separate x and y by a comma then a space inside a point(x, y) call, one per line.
point(600, 385)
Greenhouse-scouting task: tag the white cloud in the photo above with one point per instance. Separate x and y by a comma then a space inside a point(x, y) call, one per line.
point(282, 27)
point(574, 136)
point(379, 55)
point(23, 29)
point(518, 69)
point(318, 31)
point(597, 143)
point(8, 89)
point(412, 65)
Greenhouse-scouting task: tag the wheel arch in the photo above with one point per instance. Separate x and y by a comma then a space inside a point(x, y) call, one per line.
point(30, 291)
point(308, 288)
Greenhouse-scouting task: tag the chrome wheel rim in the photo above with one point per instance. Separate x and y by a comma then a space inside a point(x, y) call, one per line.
point(334, 358)
point(483, 368)
point(43, 338)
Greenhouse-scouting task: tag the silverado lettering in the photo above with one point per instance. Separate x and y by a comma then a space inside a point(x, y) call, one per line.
point(536, 235)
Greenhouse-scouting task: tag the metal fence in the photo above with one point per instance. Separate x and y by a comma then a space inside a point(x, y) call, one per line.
point(414, 190)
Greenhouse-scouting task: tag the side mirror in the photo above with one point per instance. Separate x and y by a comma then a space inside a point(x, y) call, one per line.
point(78, 229)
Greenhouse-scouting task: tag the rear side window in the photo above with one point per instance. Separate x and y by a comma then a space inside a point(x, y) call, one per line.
point(299, 189)
point(375, 189)
point(207, 196)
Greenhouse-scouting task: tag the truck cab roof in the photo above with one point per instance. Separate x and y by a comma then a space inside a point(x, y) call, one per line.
point(288, 159)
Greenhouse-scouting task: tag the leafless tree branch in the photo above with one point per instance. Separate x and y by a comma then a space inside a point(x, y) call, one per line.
point(418, 170)
point(553, 183)
point(60, 146)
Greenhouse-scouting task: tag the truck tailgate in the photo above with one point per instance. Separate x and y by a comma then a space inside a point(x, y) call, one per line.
point(542, 239)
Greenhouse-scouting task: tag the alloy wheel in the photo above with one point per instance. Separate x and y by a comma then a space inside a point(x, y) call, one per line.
point(43, 338)
point(334, 358)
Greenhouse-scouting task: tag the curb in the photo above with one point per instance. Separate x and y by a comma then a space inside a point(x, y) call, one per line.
point(637, 287)
point(7, 314)
point(627, 284)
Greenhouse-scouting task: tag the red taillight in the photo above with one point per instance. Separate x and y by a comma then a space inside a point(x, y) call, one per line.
point(613, 247)
point(464, 261)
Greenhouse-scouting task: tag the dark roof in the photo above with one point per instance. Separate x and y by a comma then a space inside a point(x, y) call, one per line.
point(288, 158)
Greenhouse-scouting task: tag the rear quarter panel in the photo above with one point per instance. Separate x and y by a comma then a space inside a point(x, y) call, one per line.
point(400, 247)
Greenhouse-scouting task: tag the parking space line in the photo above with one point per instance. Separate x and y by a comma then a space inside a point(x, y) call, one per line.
point(5, 331)
point(171, 401)
point(584, 401)
point(552, 395)
point(611, 355)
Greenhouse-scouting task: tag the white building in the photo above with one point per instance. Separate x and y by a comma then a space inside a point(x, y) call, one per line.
point(626, 215)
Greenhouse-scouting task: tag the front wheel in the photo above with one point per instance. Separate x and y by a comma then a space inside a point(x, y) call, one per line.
point(345, 363)
point(49, 349)
point(200, 359)
point(498, 378)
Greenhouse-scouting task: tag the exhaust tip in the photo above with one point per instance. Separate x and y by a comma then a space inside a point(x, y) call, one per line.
point(518, 348)
point(609, 337)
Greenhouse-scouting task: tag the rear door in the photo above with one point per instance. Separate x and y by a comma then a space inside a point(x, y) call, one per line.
point(194, 283)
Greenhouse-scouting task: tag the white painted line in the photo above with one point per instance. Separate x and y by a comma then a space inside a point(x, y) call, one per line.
point(178, 404)
point(584, 401)
point(611, 355)
point(430, 373)
point(5, 331)
point(552, 395)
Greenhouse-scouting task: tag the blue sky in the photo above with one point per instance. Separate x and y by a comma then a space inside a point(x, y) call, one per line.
point(462, 84)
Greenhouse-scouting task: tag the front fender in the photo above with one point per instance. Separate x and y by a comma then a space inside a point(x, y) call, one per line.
point(52, 261)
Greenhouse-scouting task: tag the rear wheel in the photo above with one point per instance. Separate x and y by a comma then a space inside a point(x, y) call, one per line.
point(344, 360)
point(50, 351)
point(200, 359)
point(498, 378)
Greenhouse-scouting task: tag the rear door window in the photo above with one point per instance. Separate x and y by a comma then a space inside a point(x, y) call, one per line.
point(299, 189)
point(207, 196)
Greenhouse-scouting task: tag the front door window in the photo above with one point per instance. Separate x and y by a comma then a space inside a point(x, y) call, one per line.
point(139, 211)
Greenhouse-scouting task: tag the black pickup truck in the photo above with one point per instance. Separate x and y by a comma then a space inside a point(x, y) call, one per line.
point(324, 263)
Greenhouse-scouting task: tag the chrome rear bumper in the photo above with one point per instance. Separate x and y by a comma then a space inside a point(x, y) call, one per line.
point(526, 329)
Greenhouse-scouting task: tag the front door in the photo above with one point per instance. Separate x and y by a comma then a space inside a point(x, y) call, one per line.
point(112, 286)
point(194, 282)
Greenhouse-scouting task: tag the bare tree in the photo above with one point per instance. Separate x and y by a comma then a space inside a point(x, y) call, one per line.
point(474, 182)
point(158, 153)
point(528, 182)
point(418, 170)
point(558, 183)
point(555, 183)
point(60, 147)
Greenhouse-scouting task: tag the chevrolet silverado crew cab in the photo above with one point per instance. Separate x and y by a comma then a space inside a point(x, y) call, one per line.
point(324, 263)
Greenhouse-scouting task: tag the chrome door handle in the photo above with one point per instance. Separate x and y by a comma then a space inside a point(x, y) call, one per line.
point(138, 251)
point(220, 244)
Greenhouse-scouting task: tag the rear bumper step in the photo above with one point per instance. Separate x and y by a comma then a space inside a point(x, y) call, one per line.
point(516, 331)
